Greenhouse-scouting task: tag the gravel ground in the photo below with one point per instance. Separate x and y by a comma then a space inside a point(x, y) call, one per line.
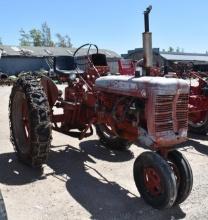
point(82, 180)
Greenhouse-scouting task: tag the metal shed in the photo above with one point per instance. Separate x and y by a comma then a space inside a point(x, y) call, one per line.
point(15, 59)
point(199, 60)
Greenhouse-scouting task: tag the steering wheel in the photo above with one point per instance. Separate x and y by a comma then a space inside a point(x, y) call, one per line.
point(88, 51)
point(84, 45)
point(89, 61)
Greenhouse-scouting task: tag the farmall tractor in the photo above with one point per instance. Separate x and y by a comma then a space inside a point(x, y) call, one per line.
point(123, 110)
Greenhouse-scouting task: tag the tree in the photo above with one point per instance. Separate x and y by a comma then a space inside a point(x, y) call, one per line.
point(25, 38)
point(170, 49)
point(68, 41)
point(0, 41)
point(42, 37)
point(63, 41)
point(178, 49)
point(36, 37)
point(46, 36)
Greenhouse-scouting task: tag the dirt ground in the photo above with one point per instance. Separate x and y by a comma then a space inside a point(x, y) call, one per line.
point(83, 180)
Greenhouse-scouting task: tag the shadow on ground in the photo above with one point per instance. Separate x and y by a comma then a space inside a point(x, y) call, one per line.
point(95, 149)
point(194, 141)
point(102, 198)
point(14, 172)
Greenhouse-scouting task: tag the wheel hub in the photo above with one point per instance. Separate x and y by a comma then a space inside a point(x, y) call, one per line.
point(152, 181)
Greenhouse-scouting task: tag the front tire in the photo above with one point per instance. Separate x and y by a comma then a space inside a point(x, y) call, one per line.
point(110, 140)
point(30, 125)
point(155, 180)
point(183, 173)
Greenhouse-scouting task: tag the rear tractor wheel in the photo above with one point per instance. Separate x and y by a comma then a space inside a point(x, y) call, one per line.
point(155, 180)
point(30, 125)
point(111, 140)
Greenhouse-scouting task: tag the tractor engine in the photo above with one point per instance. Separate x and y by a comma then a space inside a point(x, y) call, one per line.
point(151, 109)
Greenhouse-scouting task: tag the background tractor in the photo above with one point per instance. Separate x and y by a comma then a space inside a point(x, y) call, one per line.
point(198, 96)
point(123, 110)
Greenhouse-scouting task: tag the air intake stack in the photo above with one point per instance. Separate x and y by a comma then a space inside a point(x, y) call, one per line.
point(147, 43)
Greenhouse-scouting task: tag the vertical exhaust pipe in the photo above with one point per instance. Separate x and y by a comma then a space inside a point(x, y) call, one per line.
point(147, 43)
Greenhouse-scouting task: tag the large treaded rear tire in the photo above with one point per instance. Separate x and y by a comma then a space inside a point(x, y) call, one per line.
point(110, 140)
point(32, 147)
point(3, 213)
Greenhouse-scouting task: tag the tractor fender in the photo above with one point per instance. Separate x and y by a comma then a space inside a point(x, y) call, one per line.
point(50, 89)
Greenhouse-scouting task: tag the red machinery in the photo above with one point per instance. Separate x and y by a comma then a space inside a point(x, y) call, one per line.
point(123, 109)
point(126, 67)
point(198, 103)
point(198, 97)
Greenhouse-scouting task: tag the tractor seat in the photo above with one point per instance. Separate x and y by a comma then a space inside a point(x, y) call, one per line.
point(65, 65)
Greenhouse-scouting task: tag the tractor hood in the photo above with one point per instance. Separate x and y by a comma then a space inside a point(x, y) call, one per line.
point(141, 87)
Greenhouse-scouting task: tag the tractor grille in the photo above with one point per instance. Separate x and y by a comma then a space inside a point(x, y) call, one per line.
point(164, 112)
point(182, 111)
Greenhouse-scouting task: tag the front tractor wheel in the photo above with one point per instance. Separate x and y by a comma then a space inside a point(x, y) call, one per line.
point(30, 125)
point(110, 140)
point(155, 180)
point(183, 174)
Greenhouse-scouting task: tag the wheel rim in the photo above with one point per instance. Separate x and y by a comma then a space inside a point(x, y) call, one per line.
point(199, 119)
point(176, 172)
point(21, 125)
point(152, 181)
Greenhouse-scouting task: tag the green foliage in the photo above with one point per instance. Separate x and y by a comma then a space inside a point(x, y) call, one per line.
point(46, 36)
point(0, 41)
point(24, 38)
point(63, 41)
point(178, 49)
point(42, 37)
point(170, 49)
point(36, 37)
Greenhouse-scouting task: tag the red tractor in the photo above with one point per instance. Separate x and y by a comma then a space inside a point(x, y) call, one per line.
point(198, 96)
point(123, 110)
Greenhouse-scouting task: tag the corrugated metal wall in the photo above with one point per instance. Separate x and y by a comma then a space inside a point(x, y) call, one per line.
point(15, 65)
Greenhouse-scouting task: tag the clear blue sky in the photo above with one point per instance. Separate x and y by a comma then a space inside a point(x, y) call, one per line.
point(111, 24)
